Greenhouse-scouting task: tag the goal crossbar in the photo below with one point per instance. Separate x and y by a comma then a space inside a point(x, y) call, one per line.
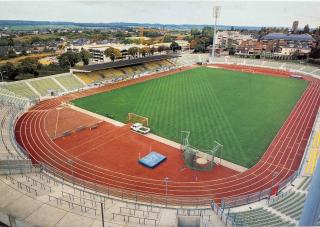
point(135, 118)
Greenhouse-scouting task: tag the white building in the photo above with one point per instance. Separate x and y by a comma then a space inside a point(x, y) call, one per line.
point(97, 50)
point(227, 38)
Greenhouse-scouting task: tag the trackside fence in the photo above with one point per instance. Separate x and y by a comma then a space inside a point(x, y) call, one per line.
point(227, 203)
point(123, 194)
point(225, 218)
point(230, 202)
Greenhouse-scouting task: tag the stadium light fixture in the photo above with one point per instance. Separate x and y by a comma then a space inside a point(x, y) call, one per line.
point(216, 15)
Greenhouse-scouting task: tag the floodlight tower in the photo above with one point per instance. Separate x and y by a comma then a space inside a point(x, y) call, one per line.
point(216, 14)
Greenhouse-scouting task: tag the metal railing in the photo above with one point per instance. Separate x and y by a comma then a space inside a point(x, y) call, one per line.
point(225, 218)
point(257, 196)
point(129, 218)
point(123, 194)
point(60, 201)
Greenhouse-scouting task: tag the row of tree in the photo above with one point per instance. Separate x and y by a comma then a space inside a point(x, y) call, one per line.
point(26, 66)
point(200, 39)
point(70, 59)
point(114, 53)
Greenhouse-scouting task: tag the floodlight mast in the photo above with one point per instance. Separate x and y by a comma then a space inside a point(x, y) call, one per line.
point(216, 14)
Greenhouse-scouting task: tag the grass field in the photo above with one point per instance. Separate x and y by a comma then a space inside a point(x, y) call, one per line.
point(242, 111)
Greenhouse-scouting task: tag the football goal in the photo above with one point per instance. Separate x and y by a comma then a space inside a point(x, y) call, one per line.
point(135, 118)
point(197, 159)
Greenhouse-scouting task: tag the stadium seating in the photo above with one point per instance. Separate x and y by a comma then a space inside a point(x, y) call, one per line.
point(317, 72)
point(290, 205)
point(164, 63)
point(69, 82)
point(150, 65)
point(291, 66)
point(8, 148)
point(258, 217)
point(284, 209)
point(21, 88)
point(107, 74)
point(115, 72)
point(220, 60)
point(5, 111)
point(89, 78)
point(238, 61)
point(138, 68)
point(190, 59)
point(304, 185)
point(273, 64)
point(308, 69)
point(43, 85)
point(128, 70)
point(11, 98)
point(252, 62)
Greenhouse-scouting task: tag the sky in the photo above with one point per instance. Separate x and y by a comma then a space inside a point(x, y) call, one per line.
point(238, 13)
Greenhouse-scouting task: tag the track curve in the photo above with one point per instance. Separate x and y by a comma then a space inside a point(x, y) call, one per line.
point(283, 156)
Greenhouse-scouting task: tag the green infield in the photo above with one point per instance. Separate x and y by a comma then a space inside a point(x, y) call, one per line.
point(241, 111)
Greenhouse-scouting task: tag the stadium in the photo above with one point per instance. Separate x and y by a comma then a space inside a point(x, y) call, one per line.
point(233, 142)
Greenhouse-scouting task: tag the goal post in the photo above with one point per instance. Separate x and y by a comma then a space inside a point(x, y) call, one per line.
point(135, 118)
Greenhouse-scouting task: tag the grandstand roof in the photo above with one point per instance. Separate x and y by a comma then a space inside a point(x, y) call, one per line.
point(123, 63)
point(288, 37)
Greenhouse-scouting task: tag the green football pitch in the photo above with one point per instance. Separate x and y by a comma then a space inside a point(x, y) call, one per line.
point(239, 110)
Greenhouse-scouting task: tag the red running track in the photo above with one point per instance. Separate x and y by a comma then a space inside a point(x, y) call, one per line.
point(283, 156)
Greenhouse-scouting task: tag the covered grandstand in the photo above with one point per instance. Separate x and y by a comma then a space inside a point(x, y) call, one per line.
point(124, 69)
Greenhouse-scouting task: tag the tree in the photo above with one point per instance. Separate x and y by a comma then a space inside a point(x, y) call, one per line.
point(296, 54)
point(144, 51)
point(10, 71)
point(69, 59)
point(232, 51)
point(193, 43)
point(152, 50)
point(161, 48)
point(112, 53)
point(133, 51)
point(207, 32)
point(10, 42)
point(167, 39)
point(195, 32)
point(85, 56)
point(199, 48)
point(306, 29)
point(315, 53)
point(35, 39)
point(30, 65)
point(11, 53)
point(175, 46)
